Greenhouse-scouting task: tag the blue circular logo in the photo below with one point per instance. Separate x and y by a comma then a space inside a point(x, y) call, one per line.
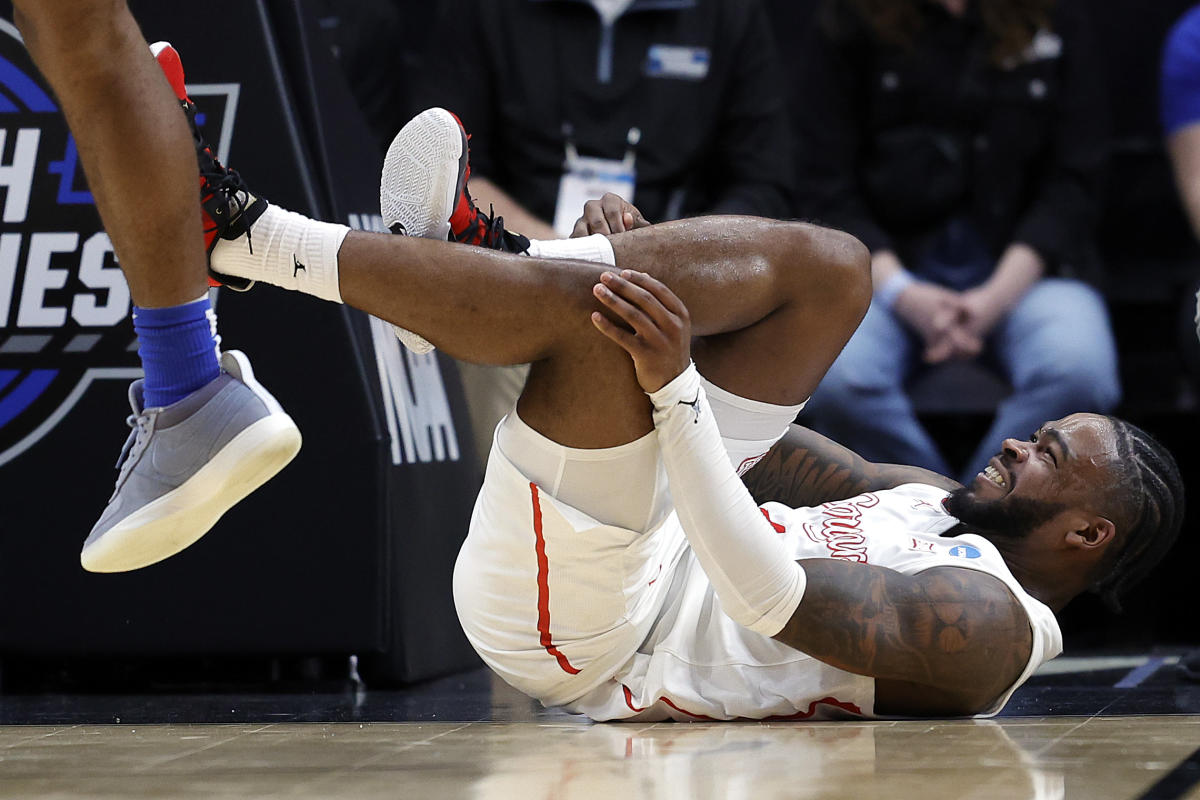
point(64, 305)
point(965, 551)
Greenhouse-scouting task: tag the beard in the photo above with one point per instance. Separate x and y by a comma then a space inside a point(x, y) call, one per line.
point(1003, 518)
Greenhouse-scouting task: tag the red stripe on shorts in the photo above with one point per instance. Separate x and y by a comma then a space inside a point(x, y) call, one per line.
point(665, 699)
point(812, 709)
point(543, 582)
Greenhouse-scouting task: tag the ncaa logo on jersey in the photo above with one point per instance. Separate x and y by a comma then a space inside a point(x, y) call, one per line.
point(64, 304)
point(965, 551)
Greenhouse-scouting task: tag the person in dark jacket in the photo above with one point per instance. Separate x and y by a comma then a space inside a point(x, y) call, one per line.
point(688, 90)
point(676, 105)
point(964, 142)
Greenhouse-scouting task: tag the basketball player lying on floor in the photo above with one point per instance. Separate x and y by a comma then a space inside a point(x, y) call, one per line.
point(617, 566)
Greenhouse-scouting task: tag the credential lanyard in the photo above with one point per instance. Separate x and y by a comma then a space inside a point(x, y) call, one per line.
point(588, 178)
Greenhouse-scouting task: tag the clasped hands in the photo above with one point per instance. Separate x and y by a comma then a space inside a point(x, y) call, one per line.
point(953, 325)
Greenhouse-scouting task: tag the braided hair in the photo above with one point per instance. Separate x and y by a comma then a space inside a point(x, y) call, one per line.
point(1148, 493)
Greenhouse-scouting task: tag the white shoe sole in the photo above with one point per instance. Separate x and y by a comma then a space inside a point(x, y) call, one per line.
point(417, 187)
point(182, 516)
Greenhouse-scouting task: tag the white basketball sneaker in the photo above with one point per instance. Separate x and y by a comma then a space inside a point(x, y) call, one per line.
point(424, 173)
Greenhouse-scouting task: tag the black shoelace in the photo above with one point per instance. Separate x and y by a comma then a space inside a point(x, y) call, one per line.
point(228, 191)
point(493, 235)
point(229, 195)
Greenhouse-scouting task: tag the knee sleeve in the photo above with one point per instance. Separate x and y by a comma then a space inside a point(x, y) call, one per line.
point(749, 428)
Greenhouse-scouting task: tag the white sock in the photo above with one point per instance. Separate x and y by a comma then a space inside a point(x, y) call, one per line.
point(594, 248)
point(288, 250)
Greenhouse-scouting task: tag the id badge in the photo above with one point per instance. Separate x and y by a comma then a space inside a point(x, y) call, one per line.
point(586, 178)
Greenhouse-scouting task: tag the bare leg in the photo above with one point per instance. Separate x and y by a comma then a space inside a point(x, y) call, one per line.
point(773, 302)
point(133, 140)
point(138, 154)
point(799, 272)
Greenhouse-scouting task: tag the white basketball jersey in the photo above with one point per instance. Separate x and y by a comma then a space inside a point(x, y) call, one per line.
point(696, 663)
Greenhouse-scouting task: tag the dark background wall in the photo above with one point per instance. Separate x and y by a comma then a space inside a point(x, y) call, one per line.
point(1152, 263)
point(350, 549)
point(348, 552)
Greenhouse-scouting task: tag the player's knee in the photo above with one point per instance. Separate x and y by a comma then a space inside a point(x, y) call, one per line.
point(68, 21)
point(854, 260)
point(838, 277)
point(65, 13)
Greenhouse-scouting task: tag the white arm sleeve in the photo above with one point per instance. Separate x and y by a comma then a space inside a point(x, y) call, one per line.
point(758, 582)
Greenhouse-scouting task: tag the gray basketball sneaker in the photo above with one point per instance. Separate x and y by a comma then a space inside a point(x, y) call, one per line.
point(424, 172)
point(186, 464)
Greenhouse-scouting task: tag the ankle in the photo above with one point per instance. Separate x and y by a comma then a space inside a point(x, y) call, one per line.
point(288, 250)
point(179, 349)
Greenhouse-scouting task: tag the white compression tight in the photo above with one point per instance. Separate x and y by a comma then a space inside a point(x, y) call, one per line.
point(626, 486)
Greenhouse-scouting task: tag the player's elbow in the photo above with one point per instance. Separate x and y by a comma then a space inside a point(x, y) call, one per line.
point(919, 701)
point(966, 689)
point(974, 701)
point(975, 635)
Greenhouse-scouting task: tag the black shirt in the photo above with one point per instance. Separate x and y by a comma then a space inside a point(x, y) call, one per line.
point(894, 140)
point(521, 73)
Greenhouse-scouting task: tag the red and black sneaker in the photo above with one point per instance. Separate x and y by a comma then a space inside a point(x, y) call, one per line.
point(469, 225)
point(229, 208)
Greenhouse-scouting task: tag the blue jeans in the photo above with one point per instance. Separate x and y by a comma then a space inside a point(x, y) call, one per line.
point(1055, 347)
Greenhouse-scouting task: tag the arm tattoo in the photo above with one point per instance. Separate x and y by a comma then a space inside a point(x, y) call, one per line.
point(807, 469)
point(955, 630)
point(805, 476)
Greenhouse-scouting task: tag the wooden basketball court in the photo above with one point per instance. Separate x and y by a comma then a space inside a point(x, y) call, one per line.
point(1083, 728)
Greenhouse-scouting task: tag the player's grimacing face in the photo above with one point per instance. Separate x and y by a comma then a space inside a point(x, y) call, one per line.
point(1063, 461)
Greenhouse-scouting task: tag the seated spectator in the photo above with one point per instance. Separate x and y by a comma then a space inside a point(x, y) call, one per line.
point(674, 104)
point(963, 141)
point(1181, 122)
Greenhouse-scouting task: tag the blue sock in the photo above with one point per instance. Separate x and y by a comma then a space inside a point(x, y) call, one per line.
point(178, 346)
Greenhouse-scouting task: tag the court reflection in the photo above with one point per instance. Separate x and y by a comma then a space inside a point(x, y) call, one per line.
point(960, 759)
